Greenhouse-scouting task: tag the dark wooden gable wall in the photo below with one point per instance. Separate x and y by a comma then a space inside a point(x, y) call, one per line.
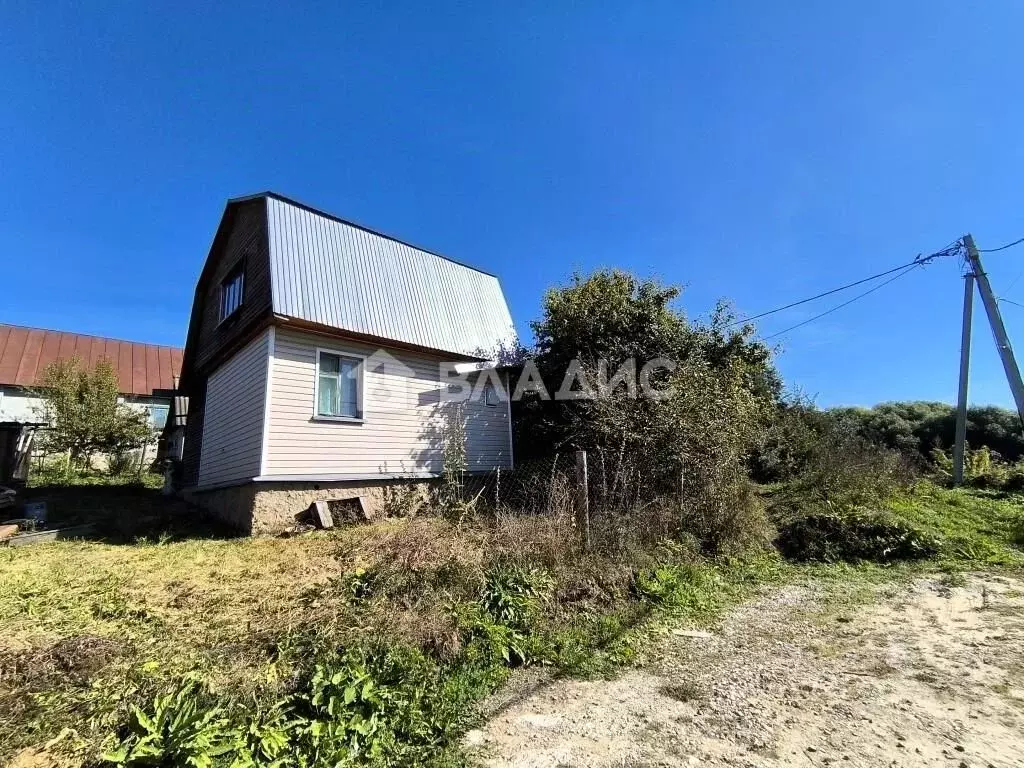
point(242, 240)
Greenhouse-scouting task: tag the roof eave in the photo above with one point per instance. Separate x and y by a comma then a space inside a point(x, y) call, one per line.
point(327, 330)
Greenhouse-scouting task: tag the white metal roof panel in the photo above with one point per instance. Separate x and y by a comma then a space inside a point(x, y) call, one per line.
point(334, 273)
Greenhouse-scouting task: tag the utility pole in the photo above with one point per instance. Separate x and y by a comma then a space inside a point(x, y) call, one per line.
point(995, 319)
point(965, 365)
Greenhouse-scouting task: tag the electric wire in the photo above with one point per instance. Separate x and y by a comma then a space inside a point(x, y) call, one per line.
point(953, 248)
point(1001, 247)
point(1011, 301)
point(823, 295)
point(907, 269)
point(1014, 281)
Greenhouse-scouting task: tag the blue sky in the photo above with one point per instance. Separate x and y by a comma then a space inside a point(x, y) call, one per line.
point(757, 151)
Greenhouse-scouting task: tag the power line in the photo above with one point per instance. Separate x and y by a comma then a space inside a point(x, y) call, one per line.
point(1010, 301)
point(908, 268)
point(1001, 247)
point(1014, 281)
point(920, 260)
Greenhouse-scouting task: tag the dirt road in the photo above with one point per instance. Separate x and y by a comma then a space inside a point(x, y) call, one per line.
point(928, 674)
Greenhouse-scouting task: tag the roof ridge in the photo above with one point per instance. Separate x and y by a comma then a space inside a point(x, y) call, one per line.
point(326, 214)
point(89, 335)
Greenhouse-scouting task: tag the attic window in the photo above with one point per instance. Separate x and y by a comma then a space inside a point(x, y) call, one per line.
point(231, 290)
point(490, 395)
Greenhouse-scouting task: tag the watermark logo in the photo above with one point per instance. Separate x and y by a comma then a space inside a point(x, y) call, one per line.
point(474, 382)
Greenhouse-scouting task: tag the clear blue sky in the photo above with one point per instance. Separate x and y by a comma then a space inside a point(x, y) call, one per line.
point(756, 151)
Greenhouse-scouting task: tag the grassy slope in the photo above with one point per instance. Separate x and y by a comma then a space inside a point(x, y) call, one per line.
point(979, 527)
point(86, 628)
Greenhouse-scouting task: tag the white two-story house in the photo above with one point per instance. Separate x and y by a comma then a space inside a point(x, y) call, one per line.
point(315, 365)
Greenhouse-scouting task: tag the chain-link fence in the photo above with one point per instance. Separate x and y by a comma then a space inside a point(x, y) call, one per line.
point(604, 496)
point(545, 486)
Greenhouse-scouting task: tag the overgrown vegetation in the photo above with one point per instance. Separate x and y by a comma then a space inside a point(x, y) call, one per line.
point(982, 469)
point(374, 645)
point(710, 390)
point(49, 472)
point(842, 498)
point(369, 645)
point(916, 428)
point(852, 537)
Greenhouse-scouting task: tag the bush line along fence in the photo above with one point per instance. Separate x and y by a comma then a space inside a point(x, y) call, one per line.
point(585, 489)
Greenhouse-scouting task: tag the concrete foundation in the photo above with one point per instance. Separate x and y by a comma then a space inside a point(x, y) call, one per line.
point(267, 507)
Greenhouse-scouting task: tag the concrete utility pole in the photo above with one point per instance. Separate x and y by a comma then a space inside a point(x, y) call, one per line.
point(995, 320)
point(965, 365)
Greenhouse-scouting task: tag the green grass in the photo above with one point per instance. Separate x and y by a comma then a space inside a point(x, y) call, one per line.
point(978, 528)
point(91, 631)
point(374, 640)
point(57, 475)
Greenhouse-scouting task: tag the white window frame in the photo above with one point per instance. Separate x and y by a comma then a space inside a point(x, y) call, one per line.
point(360, 379)
point(237, 273)
point(151, 407)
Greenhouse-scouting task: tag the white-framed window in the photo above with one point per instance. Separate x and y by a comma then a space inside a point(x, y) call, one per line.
point(339, 386)
point(231, 290)
point(158, 415)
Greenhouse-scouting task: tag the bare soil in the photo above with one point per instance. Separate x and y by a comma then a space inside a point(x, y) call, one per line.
point(923, 674)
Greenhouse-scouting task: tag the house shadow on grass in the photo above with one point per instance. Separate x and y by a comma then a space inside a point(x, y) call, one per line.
point(122, 514)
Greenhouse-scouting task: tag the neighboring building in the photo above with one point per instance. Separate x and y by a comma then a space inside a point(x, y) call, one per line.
point(313, 364)
point(145, 372)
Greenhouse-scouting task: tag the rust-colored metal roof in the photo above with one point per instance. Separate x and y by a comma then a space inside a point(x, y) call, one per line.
point(141, 368)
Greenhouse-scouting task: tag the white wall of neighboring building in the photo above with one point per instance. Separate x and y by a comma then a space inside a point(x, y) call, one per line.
point(17, 404)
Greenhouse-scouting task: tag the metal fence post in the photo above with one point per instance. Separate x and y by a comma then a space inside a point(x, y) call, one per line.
point(682, 495)
point(582, 499)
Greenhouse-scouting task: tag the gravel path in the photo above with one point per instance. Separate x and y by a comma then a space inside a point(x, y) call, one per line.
point(927, 674)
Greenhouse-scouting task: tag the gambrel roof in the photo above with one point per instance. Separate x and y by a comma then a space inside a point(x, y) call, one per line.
point(335, 273)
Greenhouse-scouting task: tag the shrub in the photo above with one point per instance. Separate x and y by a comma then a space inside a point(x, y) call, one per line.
point(915, 428)
point(613, 334)
point(844, 473)
point(853, 537)
point(983, 468)
point(85, 414)
point(736, 521)
point(122, 462)
point(1017, 532)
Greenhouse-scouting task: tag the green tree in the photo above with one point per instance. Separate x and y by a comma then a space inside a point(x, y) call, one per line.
point(614, 317)
point(916, 428)
point(694, 439)
point(84, 414)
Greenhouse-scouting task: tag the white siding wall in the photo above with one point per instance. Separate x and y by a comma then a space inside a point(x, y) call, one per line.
point(233, 418)
point(402, 427)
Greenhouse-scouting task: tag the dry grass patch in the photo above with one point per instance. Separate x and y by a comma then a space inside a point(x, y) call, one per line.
point(89, 630)
point(77, 614)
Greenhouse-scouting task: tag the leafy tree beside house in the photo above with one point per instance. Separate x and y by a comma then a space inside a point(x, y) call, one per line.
point(85, 415)
point(715, 384)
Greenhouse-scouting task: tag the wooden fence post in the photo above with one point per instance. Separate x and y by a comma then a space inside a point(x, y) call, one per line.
point(582, 499)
